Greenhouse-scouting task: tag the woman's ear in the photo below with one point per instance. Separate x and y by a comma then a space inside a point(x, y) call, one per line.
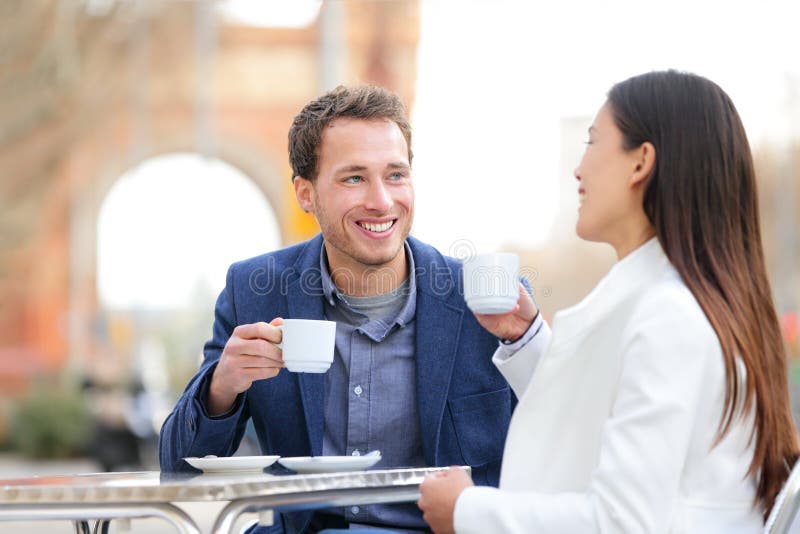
point(645, 161)
point(304, 192)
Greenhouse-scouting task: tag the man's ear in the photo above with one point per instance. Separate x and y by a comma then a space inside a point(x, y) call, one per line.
point(645, 161)
point(304, 192)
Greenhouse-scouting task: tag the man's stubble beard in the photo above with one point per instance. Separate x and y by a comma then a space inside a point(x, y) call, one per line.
point(336, 237)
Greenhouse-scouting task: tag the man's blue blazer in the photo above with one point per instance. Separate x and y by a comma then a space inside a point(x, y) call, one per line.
point(464, 404)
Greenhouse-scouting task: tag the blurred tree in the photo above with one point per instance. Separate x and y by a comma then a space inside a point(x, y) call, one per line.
point(51, 422)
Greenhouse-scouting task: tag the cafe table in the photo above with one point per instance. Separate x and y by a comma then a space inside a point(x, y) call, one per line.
point(102, 497)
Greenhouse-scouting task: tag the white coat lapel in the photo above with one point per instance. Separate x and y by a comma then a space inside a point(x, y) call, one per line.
point(574, 386)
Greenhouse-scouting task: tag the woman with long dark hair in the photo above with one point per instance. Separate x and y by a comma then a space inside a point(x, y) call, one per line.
point(660, 402)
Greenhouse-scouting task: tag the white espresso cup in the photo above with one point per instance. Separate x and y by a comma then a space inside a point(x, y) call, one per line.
point(307, 345)
point(491, 282)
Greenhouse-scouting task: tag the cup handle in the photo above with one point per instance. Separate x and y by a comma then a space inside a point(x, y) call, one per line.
point(279, 345)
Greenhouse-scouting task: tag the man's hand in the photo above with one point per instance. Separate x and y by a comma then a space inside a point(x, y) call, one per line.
point(512, 325)
point(249, 355)
point(439, 493)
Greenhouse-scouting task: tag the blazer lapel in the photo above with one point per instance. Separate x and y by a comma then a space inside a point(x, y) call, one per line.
point(304, 299)
point(438, 326)
point(625, 279)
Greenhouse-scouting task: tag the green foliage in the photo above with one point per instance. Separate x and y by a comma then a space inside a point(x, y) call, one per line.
point(5, 422)
point(51, 423)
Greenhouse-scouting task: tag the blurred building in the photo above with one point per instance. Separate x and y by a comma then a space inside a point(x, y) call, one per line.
point(91, 88)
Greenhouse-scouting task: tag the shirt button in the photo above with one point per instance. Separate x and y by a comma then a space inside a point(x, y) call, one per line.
point(358, 390)
point(356, 453)
point(355, 509)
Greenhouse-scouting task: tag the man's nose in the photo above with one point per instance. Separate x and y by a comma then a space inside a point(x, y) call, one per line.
point(378, 197)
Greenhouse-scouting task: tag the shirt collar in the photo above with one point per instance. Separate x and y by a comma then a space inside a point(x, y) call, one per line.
point(333, 296)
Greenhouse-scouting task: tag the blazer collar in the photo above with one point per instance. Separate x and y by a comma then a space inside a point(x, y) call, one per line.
point(440, 311)
point(626, 278)
point(304, 301)
point(304, 283)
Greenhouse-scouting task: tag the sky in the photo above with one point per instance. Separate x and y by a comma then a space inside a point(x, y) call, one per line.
point(496, 79)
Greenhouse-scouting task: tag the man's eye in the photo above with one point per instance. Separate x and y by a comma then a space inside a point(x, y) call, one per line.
point(397, 176)
point(352, 179)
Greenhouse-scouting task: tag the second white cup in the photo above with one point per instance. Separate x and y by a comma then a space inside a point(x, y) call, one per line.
point(491, 282)
point(307, 345)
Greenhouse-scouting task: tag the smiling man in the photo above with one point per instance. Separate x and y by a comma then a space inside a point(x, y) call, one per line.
point(412, 373)
point(362, 197)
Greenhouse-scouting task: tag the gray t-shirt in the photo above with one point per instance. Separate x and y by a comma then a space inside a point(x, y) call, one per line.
point(386, 306)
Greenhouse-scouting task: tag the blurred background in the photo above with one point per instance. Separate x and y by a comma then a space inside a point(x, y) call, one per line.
point(143, 150)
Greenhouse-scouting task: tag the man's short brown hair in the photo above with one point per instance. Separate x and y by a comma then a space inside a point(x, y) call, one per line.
point(361, 102)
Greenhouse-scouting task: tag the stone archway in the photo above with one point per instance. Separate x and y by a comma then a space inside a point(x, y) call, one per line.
point(172, 225)
point(105, 90)
point(84, 303)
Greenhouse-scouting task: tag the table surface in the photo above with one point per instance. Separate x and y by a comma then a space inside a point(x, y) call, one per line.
point(154, 486)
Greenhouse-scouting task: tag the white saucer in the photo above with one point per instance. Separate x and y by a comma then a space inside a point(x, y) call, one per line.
point(232, 464)
point(328, 464)
point(491, 305)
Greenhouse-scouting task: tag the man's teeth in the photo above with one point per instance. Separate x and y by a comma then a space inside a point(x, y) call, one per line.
point(377, 227)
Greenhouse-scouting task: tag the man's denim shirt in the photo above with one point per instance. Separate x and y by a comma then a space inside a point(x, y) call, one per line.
point(370, 390)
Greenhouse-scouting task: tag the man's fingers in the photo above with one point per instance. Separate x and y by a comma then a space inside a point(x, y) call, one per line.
point(257, 372)
point(243, 377)
point(253, 347)
point(261, 330)
point(250, 354)
point(246, 361)
point(259, 347)
point(264, 373)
